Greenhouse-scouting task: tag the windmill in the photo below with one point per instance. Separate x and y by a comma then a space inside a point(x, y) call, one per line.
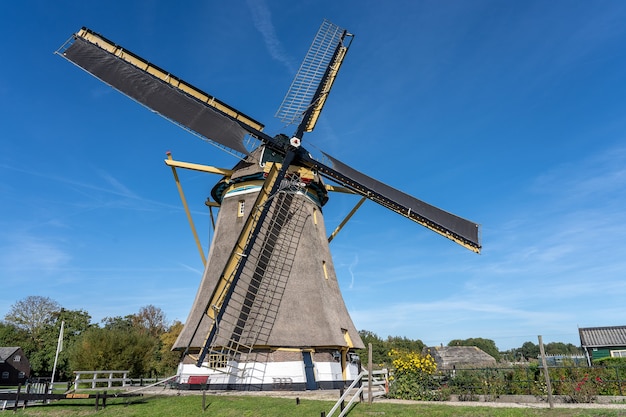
point(269, 312)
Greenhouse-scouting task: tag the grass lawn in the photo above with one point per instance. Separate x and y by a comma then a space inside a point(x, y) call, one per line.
point(257, 406)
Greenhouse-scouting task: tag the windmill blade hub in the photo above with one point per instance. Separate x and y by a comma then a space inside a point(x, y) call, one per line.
point(295, 142)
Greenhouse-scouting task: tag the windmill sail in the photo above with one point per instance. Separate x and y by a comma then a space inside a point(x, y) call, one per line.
point(159, 90)
point(462, 231)
point(307, 94)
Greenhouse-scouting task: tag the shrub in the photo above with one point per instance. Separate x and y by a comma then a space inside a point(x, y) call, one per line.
point(413, 377)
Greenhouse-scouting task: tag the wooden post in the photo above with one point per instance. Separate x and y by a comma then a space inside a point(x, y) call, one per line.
point(17, 398)
point(545, 372)
point(341, 392)
point(370, 368)
point(26, 399)
point(97, 400)
point(203, 400)
point(104, 400)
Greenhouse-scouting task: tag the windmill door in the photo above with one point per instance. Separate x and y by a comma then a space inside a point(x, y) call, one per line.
point(309, 372)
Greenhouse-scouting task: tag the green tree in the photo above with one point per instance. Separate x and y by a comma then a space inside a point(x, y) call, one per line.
point(113, 349)
point(169, 359)
point(379, 350)
point(404, 343)
point(33, 318)
point(560, 348)
point(12, 336)
point(76, 322)
point(33, 314)
point(486, 345)
point(529, 350)
point(41, 355)
point(119, 323)
point(151, 319)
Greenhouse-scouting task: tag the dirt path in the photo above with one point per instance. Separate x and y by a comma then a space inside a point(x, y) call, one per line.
point(333, 395)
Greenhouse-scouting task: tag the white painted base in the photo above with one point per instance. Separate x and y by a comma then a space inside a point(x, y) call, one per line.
point(266, 375)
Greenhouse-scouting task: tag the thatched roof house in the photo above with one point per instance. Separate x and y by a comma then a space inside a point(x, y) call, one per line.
point(449, 357)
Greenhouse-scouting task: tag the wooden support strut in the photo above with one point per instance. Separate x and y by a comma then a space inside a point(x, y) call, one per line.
point(348, 217)
point(184, 201)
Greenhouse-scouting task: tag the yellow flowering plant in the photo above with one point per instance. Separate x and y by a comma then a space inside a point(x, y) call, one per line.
point(404, 361)
point(413, 376)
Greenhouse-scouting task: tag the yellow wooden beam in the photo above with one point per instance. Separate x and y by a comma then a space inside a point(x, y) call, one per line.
point(334, 70)
point(348, 217)
point(197, 167)
point(184, 200)
point(339, 189)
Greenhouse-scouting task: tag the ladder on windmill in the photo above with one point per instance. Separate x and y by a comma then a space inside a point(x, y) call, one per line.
point(250, 300)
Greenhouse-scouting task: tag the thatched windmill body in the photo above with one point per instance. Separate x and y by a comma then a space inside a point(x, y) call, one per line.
point(269, 313)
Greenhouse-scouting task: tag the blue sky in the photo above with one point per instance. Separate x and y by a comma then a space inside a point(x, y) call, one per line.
point(511, 114)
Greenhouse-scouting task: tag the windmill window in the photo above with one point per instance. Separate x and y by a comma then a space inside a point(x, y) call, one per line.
point(5, 375)
point(618, 353)
point(314, 216)
point(241, 209)
point(325, 269)
point(17, 358)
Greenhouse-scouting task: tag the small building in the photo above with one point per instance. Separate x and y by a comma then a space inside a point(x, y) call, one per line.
point(14, 366)
point(458, 357)
point(603, 342)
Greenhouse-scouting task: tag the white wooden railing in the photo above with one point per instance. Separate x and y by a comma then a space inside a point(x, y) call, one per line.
point(377, 385)
point(101, 376)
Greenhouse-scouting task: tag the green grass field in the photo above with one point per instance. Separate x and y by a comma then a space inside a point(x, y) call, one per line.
point(258, 406)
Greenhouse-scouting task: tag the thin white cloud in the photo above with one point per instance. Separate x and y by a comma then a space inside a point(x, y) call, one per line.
point(351, 267)
point(192, 269)
point(600, 174)
point(22, 251)
point(95, 195)
point(117, 187)
point(262, 19)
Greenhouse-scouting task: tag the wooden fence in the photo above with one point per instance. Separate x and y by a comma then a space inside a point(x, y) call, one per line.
point(99, 378)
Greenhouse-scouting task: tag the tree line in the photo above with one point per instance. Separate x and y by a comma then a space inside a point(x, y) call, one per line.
point(528, 351)
point(140, 342)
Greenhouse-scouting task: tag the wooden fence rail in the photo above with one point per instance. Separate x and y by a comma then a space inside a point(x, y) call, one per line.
point(100, 377)
point(18, 398)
